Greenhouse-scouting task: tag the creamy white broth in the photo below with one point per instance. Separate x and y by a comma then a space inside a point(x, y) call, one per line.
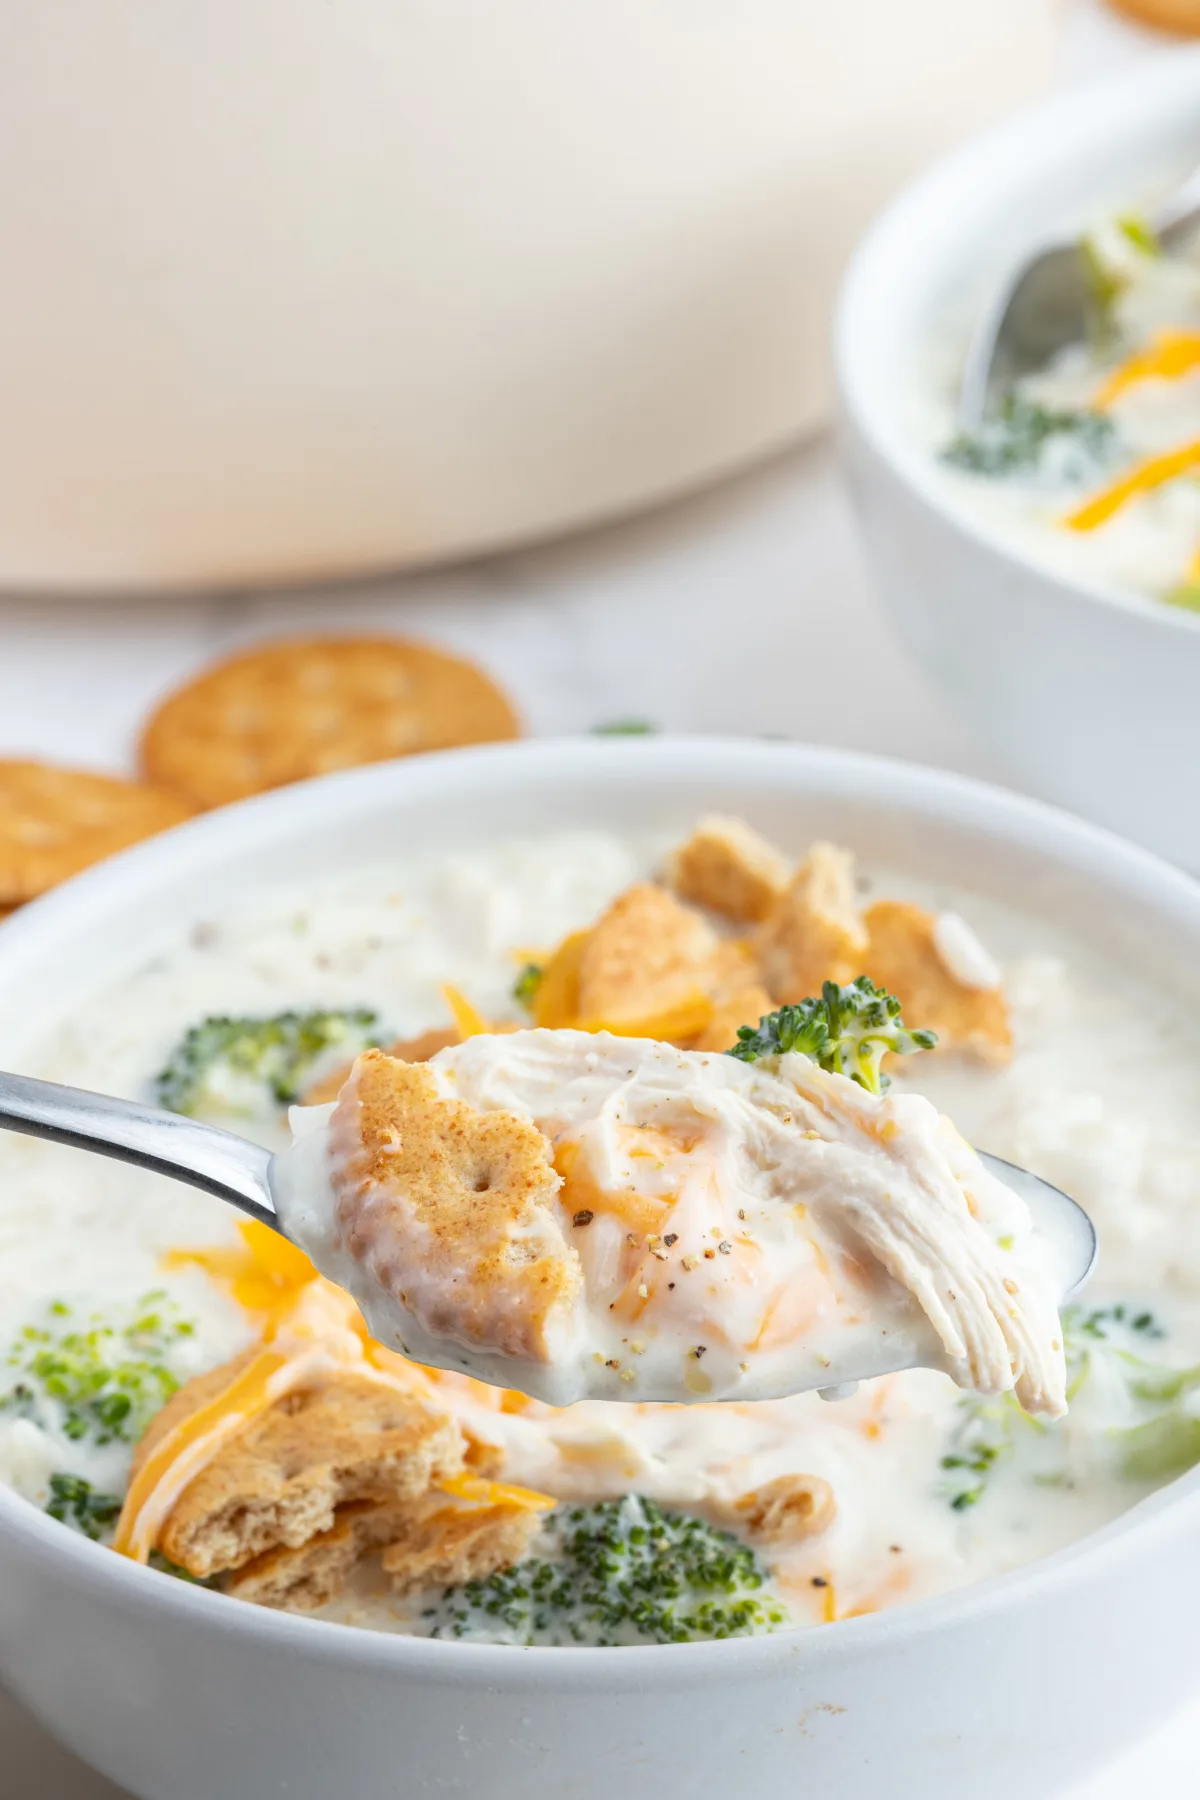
point(1105, 1111)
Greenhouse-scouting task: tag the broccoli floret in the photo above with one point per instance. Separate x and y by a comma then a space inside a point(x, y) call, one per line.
point(242, 1066)
point(848, 1030)
point(1017, 435)
point(625, 728)
point(619, 1572)
point(97, 1381)
point(73, 1501)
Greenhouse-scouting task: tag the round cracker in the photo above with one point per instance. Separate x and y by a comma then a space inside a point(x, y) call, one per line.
point(286, 711)
point(54, 822)
point(1182, 16)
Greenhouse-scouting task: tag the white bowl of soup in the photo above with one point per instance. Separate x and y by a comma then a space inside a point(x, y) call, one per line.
point(1044, 573)
point(980, 1599)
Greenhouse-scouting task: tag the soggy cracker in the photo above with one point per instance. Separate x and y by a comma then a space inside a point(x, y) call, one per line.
point(648, 957)
point(439, 1542)
point(281, 1481)
point(902, 956)
point(728, 868)
point(422, 1048)
point(816, 932)
point(333, 1473)
point(432, 1541)
point(311, 1574)
point(54, 822)
point(738, 995)
point(303, 707)
point(453, 1209)
point(351, 1438)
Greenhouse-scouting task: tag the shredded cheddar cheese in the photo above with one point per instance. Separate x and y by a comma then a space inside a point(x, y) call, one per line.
point(320, 1330)
point(263, 1274)
point(480, 1492)
point(1169, 356)
point(556, 1004)
point(185, 1452)
point(687, 1019)
point(1154, 473)
point(468, 1022)
point(310, 1329)
point(830, 1608)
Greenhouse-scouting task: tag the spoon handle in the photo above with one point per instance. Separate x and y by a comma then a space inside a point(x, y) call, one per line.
point(229, 1167)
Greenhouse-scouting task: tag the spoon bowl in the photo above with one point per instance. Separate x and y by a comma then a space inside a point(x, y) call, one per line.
point(243, 1174)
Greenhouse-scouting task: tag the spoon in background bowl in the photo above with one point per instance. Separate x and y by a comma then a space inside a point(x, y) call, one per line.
point(1046, 306)
point(250, 1178)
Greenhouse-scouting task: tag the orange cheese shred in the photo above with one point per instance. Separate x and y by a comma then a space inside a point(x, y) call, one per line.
point(556, 1003)
point(313, 1327)
point(1142, 480)
point(263, 1273)
point(468, 1022)
point(185, 1452)
point(687, 1018)
point(1169, 356)
point(481, 1492)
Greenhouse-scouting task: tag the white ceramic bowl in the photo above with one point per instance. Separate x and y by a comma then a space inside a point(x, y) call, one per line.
point(1088, 693)
point(1013, 1686)
point(296, 288)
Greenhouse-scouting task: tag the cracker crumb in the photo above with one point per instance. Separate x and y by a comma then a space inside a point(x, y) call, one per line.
point(728, 868)
point(903, 957)
point(816, 932)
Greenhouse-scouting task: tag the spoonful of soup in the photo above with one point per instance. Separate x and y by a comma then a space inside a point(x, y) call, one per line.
point(578, 1215)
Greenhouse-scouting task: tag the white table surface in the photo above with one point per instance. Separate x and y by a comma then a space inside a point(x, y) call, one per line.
point(710, 615)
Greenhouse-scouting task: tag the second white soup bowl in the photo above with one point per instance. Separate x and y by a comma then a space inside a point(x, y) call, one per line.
point(1091, 694)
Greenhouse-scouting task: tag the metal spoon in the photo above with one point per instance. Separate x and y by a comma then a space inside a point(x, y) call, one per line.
point(1045, 306)
point(240, 1172)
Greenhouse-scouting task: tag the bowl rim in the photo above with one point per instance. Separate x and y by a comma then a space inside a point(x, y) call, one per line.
point(992, 168)
point(937, 795)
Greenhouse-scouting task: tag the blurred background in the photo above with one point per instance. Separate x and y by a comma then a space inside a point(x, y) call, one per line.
point(244, 347)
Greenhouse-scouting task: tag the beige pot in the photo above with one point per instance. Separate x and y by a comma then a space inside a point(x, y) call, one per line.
point(298, 287)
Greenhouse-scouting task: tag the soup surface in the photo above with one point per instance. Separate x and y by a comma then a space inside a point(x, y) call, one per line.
point(116, 1286)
